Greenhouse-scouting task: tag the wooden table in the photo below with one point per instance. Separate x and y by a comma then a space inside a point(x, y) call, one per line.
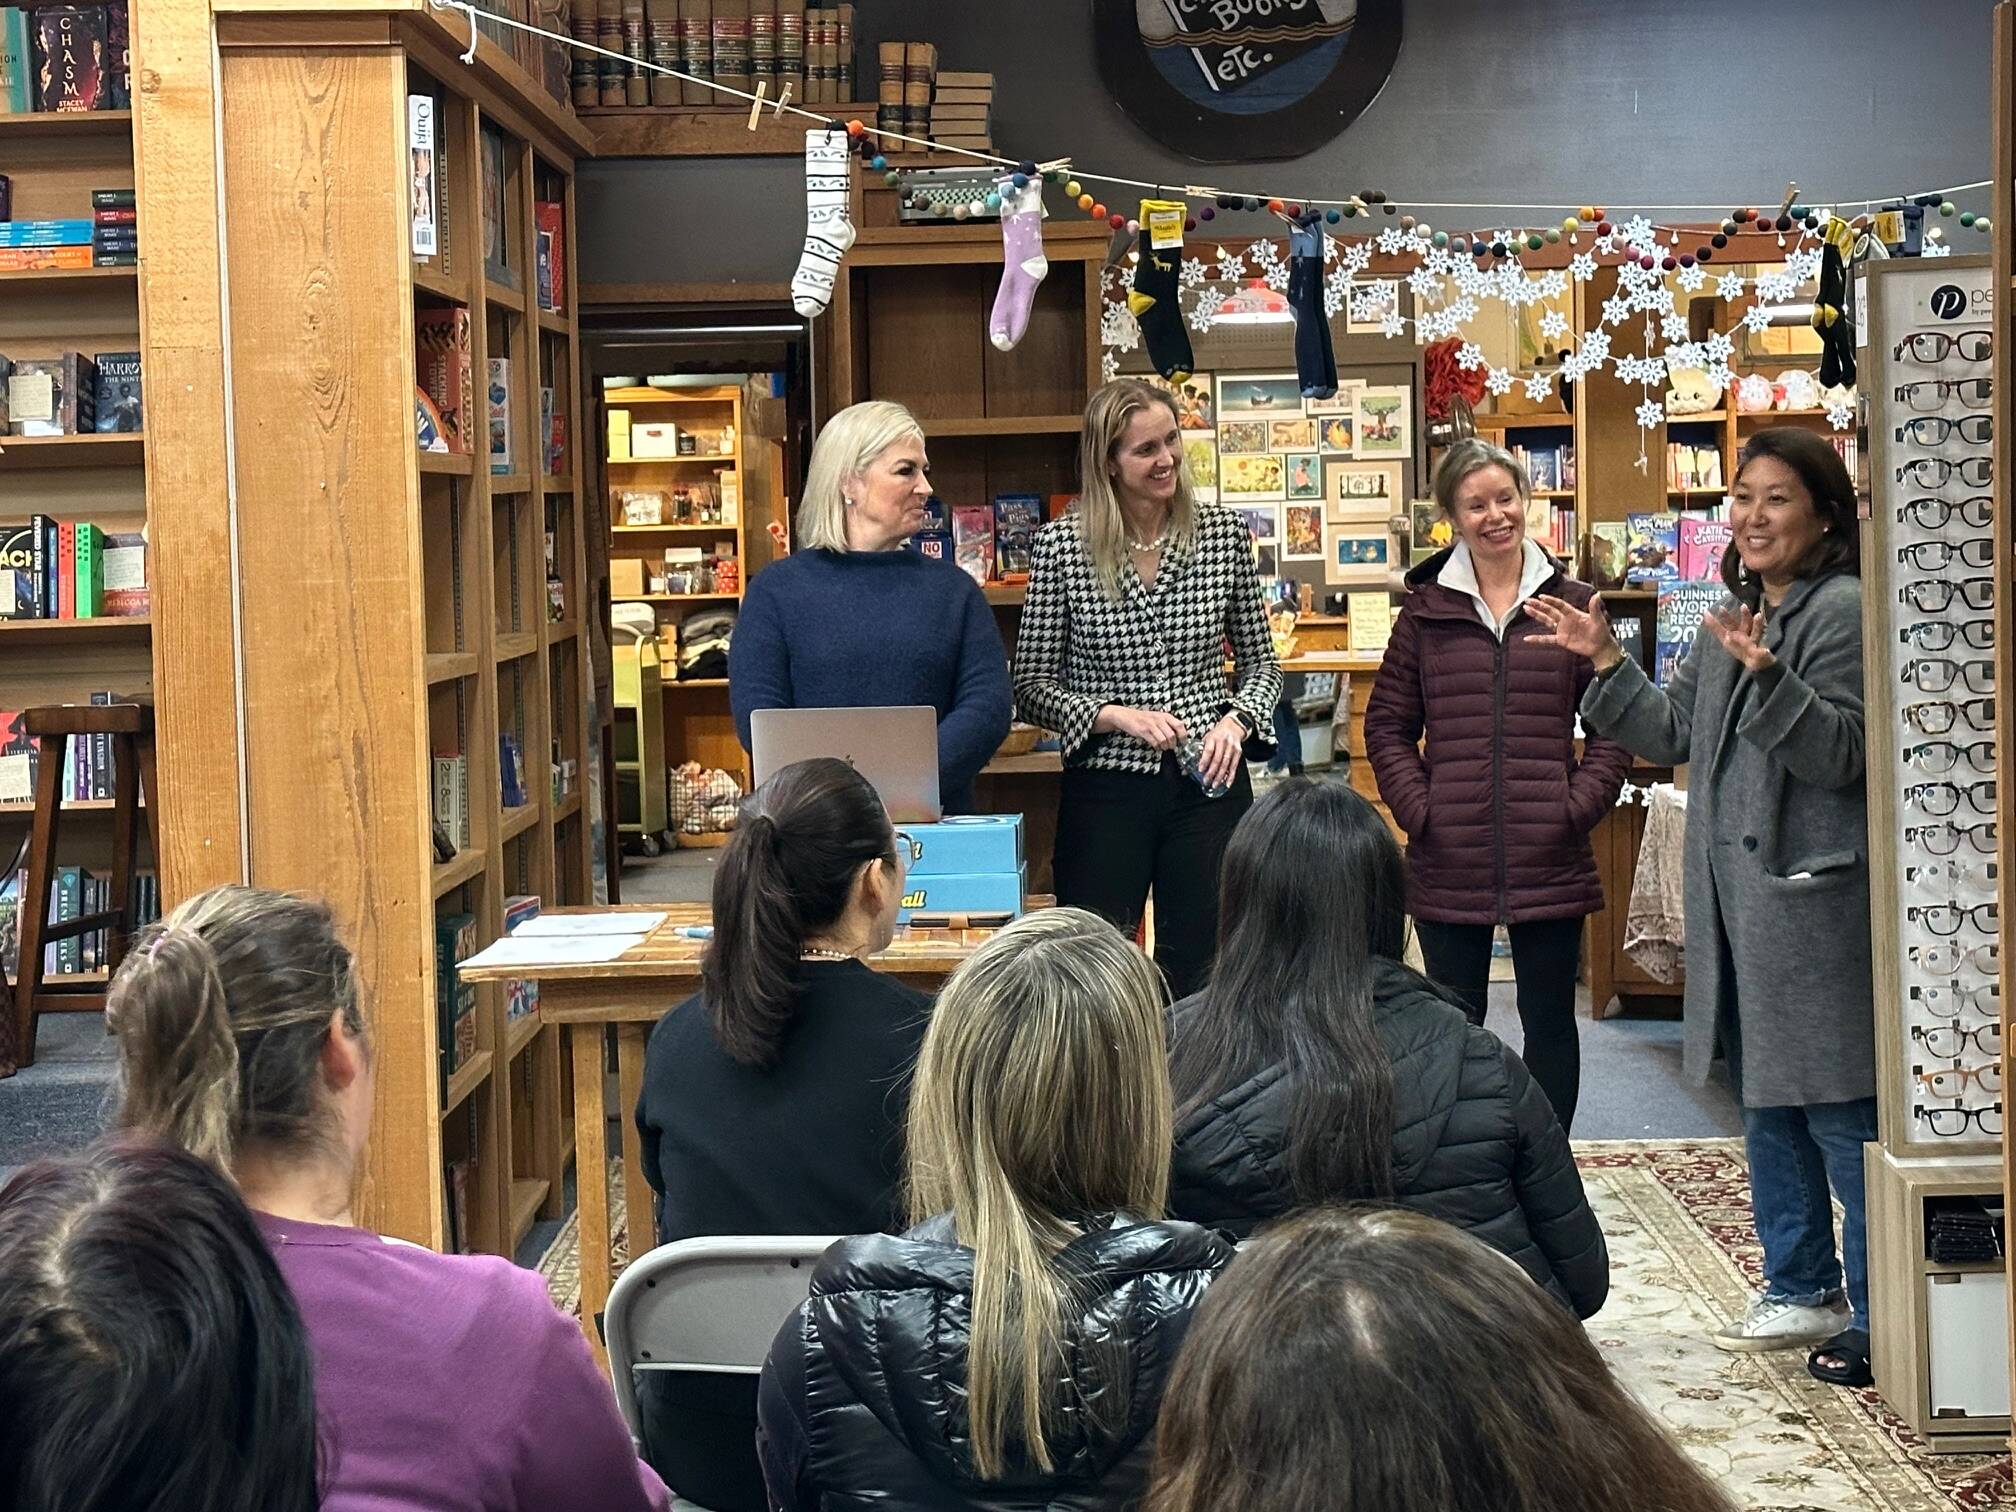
point(632, 993)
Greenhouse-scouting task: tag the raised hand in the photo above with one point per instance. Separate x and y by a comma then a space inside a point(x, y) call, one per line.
point(1585, 632)
point(1741, 632)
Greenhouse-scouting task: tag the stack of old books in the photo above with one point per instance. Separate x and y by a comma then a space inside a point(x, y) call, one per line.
point(962, 111)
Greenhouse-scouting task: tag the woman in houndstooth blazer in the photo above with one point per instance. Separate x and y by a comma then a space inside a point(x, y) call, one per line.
point(1132, 599)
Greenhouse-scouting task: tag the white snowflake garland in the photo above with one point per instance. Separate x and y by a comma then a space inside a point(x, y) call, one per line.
point(1841, 415)
point(1650, 414)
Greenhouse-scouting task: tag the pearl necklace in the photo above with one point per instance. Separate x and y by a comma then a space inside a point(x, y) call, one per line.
point(1154, 545)
point(814, 953)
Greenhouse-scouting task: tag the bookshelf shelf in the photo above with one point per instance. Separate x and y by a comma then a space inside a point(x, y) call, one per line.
point(1706, 417)
point(556, 483)
point(562, 630)
point(119, 279)
point(510, 483)
point(433, 281)
point(519, 1033)
point(1525, 422)
point(1003, 425)
point(518, 820)
point(689, 459)
point(1005, 593)
point(46, 125)
point(450, 666)
point(75, 806)
point(527, 1194)
point(91, 450)
point(695, 682)
point(668, 529)
point(1033, 761)
point(503, 296)
point(568, 807)
point(554, 324)
point(1553, 493)
point(73, 631)
point(512, 647)
point(467, 1078)
point(449, 875)
point(1777, 416)
point(675, 598)
point(454, 464)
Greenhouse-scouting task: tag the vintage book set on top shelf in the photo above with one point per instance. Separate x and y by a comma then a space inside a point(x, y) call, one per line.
point(409, 607)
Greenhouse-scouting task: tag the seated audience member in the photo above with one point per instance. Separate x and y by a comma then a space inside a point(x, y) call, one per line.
point(151, 1357)
point(444, 1381)
point(1010, 1351)
point(1382, 1361)
point(773, 1099)
point(1317, 1067)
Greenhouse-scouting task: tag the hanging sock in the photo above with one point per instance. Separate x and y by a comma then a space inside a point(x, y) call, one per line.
point(1153, 298)
point(828, 231)
point(1830, 306)
point(1315, 363)
point(1025, 264)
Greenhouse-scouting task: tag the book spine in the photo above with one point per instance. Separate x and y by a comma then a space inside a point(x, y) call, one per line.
point(889, 67)
point(920, 61)
point(66, 579)
point(16, 68)
point(791, 47)
point(843, 81)
point(661, 30)
point(609, 37)
point(585, 72)
point(763, 44)
point(696, 46)
point(50, 567)
point(118, 56)
point(90, 572)
point(113, 199)
point(731, 44)
point(635, 90)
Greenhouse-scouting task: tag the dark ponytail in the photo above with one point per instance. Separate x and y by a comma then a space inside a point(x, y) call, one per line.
point(784, 876)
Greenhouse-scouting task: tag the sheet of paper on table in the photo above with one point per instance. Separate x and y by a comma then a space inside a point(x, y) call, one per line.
point(551, 950)
point(570, 926)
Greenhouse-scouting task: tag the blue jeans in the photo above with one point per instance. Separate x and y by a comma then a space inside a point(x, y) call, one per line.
point(1796, 1154)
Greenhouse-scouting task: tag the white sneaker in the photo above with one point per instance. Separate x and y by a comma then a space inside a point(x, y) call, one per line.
point(1775, 1323)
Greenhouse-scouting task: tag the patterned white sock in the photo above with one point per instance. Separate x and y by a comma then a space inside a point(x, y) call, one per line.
point(828, 231)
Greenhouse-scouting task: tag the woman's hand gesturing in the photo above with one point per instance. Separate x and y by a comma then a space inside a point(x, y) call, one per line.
point(1585, 632)
point(1742, 635)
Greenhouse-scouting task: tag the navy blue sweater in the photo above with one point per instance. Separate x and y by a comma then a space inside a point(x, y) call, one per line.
point(875, 629)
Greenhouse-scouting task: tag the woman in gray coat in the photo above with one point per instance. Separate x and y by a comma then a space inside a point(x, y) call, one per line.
point(1766, 710)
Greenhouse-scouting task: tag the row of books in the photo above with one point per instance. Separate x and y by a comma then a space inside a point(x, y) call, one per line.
point(1693, 469)
point(87, 760)
point(990, 542)
point(1550, 468)
point(72, 395)
point(454, 999)
point(109, 238)
point(65, 58)
point(800, 44)
point(1552, 526)
point(445, 400)
point(71, 570)
point(1656, 548)
point(76, 892)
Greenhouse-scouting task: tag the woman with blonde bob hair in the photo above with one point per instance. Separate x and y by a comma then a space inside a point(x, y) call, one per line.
point(1132, 600)
point(1010, 1350)
point(851, 620)
point(1381, 1361)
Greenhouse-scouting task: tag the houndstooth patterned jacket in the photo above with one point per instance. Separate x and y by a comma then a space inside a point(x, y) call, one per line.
point(1155, 648)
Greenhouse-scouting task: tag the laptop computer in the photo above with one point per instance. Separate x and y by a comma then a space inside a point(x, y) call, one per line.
point(896, 749)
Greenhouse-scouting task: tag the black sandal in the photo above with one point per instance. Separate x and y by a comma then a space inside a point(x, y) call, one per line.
point(1851, 1347)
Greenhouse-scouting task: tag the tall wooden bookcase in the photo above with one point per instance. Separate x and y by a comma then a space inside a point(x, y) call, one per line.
point(54, 162)
point(388, 603)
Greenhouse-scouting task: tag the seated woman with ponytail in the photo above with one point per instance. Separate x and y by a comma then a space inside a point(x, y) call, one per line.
point(773, 1099)
point(443, 1381)
point(1011, 1350)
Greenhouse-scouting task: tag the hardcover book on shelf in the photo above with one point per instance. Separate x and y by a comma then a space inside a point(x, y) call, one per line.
point(1703, 541)
point(45, 233)
point(69, 58)
point(511, 771)
point(123, 575)
point(1652, 546)
point(636, 45)
point(51, 396)
point(585, 69)
point(496, 242)
point(36, 259)
point(550, 216)
point(118, 400)
point(661, 46)
point(973, 540)
point(609, 37)
point(763, 43)
point(118, 56)
point(791, 47)
point(696, 48)
point(17, 573)
point(17, 65)
point(1017, 518)
point(426, 202)
point(503, 433)
point(17, 759)
point(451, 797)
point(1681, 607)
point(447, 371)
point(521, 998)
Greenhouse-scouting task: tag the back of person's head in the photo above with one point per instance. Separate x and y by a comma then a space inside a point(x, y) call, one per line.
point(223, 1011)
point(1041, 1100)
point(1313, 893)
point(151, 1357)
point(788, 872)
point(1383, 1361)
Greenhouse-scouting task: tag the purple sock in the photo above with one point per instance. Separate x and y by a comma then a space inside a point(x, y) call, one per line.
point(1022, 250)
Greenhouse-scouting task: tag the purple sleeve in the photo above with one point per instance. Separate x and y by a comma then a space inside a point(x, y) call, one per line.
point(572, 1451)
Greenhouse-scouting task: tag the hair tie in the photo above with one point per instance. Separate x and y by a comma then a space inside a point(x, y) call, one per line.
point(154, 945)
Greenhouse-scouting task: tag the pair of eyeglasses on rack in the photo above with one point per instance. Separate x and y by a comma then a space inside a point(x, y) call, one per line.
point(1932, 595)
point(1949, 1041)
point(1947, 957)
point(1935, 674)
point(1934, 430)
point(1952, 1081)
point(1948, 1123)
point(1939, 715)
point(1939, 757)
point(1928, 394)
point(1938, 635)
point(1931, 513)
point(1942, 798)
point(1951, 999)
point(1946, 839)
point(1937, 346)
point(1947, 919)
point(1933, 556)
point(1932, 472)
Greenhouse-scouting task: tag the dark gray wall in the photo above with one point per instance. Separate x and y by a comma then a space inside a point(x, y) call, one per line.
point(1640, 103)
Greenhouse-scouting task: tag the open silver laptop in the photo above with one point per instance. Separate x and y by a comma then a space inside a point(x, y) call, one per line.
point(895, 749)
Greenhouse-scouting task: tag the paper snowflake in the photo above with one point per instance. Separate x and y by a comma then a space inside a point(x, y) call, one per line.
point(1191, 274)
point(1395, 324)
point(1719, 376)
point(1265, 254)
point(1574, 367)
point(1553, 284)
point(1109, 368)
point(1674, 328)
point(1330, 249)
point(1656, 298)
point(1464, 309)
point(1691, 277)
point(1719, 347)
point(1685, 354)
point(1231, 266)
point(1336, 291)
point(1582, 266)
point(1469, 356)
point(1649, 414)
point(1357, 257)
point(1776, 288)
point(1204, 314)
point(1615, 309)
point(1392, 240)
point(1841, 416)
point(1553, 325)
point(1431, 326)
point(1118, 328)
point(1638, 232)
point(1756, 318)
point(1471, 280)
point(1440, 260)
point(1595, 348)
point(1936, 249)
point(1276, 274)
point(1425, 283)
point(1729, 286)
point(1497, 381)
point(1539, 387)
point(1803, 264)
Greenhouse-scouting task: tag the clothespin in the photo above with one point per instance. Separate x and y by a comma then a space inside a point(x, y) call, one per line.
point(783, 99)
point(1791, 195)
point(756, 105)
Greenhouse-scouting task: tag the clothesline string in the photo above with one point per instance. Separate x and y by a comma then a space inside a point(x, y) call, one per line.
point(777, 106)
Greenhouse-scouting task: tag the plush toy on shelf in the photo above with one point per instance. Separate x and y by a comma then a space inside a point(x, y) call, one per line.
point(1755, 394)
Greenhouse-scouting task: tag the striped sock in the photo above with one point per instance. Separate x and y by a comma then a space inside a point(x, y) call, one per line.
point(828, 231)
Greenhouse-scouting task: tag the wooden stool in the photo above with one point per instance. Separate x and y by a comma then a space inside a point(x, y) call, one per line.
point(131, 731)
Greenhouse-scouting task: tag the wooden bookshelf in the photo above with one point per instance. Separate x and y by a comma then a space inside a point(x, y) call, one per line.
point(54, 162)
point(415, 589)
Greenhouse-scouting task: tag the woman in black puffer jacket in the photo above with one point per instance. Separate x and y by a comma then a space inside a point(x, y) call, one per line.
point(1318, 1068)
point(1009, 1352)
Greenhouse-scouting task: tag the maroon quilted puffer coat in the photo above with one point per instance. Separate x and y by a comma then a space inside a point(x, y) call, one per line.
point(1497, 809)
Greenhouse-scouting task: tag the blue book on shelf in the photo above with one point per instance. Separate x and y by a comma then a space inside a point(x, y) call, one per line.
point(45, 233)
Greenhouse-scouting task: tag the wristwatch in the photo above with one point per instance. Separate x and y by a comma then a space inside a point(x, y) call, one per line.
point(1246, 722)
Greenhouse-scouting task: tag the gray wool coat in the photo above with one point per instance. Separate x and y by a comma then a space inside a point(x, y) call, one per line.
point(1777, 843)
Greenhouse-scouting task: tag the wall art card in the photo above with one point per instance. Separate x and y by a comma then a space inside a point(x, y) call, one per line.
point(1334, 432)
point(1344, 402)
point(1200, 455)
point(1261, 395)
point(1291, 435)
point(1266, 559)
point(1361, 491)
point(1382, 295)
point(1385, 423)
point(1358, 557)
point(1244, 478)
point(1302, 540)
point(1263, 521)
point(1305, 476)
point(1238, 438)
point(1196, 409)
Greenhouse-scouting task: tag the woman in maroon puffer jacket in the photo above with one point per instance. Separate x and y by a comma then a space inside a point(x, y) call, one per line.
point(1497, 809)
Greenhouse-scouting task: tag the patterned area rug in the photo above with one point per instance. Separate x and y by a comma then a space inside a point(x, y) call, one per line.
point(1683, 1259)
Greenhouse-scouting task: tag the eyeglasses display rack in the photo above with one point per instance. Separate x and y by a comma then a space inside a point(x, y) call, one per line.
point(1933, 606)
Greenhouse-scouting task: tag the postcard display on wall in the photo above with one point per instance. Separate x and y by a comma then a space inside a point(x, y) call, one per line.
point(1318, 481)
point(1930, 582)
